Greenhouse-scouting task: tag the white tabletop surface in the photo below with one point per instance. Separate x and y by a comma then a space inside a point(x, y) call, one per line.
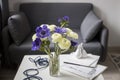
point(44, 73)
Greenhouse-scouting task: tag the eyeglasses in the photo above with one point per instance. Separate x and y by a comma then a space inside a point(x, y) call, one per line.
point(40, 62)
point(32, 73)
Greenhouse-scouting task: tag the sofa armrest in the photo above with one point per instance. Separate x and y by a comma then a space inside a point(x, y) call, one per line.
point(104, 42)
point(6, 41)
point(5, 38)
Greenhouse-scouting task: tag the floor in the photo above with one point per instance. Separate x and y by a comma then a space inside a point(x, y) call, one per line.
point(7, 74)
point(110, 74)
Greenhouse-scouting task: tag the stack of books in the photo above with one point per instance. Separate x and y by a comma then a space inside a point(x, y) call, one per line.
point(85, 67)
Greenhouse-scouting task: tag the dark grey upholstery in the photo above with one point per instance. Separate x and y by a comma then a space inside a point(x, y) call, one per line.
point(90, 26)
point(49, 13)
point(4, 11)
point(41, 13)
point(19, 27)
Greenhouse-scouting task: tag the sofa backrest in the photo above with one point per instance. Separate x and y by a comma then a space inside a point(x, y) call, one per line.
point(48, 13)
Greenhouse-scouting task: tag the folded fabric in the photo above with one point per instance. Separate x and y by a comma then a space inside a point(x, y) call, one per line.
point(80, 52)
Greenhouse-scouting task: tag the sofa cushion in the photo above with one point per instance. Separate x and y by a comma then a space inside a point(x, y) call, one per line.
point(90, 26)
point(48, 13)
point(93, 47)
point(17, 52)
point(19, 27)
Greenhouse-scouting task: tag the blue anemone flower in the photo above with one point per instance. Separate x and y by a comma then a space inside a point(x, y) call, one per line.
point(42, 32)
point(73, 43)
point(59, 20)
point(66, 18)
point(60, 30)
point(38, 29)
point(36, 44)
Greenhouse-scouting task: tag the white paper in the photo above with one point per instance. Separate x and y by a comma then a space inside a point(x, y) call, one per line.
point(90, 60)
point(85, 72)
point(94, 64)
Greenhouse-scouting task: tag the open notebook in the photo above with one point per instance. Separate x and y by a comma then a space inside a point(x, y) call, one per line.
point(89, 61)
point(86, 72)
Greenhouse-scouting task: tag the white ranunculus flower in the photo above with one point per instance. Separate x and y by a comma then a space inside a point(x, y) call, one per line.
point(52, 27)
point(34, 37)
point(56, 37)
point(43, 25)
point(43, 39)
point(73, 35)
point(68, 30)
point(64, 43)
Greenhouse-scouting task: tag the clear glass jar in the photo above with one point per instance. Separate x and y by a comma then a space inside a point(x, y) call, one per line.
point(54, 64)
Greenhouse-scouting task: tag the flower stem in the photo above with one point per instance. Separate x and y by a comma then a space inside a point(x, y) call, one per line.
point(64, 51)
point(54, 64)
point(63, 24)
point(47, 50)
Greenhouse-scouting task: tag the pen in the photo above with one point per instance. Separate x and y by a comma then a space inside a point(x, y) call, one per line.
point(77, 64)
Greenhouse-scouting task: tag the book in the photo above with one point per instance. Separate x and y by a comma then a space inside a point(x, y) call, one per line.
point(90, 60)
point(86, 72)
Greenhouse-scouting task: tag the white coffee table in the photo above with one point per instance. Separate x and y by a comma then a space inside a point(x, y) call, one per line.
point(44, 74)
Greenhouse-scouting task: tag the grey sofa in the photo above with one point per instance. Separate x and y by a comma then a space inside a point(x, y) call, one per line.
point(48, 13)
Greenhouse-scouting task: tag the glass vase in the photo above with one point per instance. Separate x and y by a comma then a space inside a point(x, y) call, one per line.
point(54, 65)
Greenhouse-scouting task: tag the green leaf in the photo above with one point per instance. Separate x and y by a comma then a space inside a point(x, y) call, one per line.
point(42, 47)
point(47, 42)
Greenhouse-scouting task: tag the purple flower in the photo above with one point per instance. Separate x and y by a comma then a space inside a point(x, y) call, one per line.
point(66, 18)
point(42, 32)
point(59, 20)
point(36, 44)
point(38, 29)
point(60, 30)
point(73, 43)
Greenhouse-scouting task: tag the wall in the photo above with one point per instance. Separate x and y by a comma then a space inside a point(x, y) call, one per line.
point(107, 10)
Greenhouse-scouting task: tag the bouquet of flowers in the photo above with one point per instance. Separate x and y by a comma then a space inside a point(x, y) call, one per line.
point(61, 36)
point(58, 34)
